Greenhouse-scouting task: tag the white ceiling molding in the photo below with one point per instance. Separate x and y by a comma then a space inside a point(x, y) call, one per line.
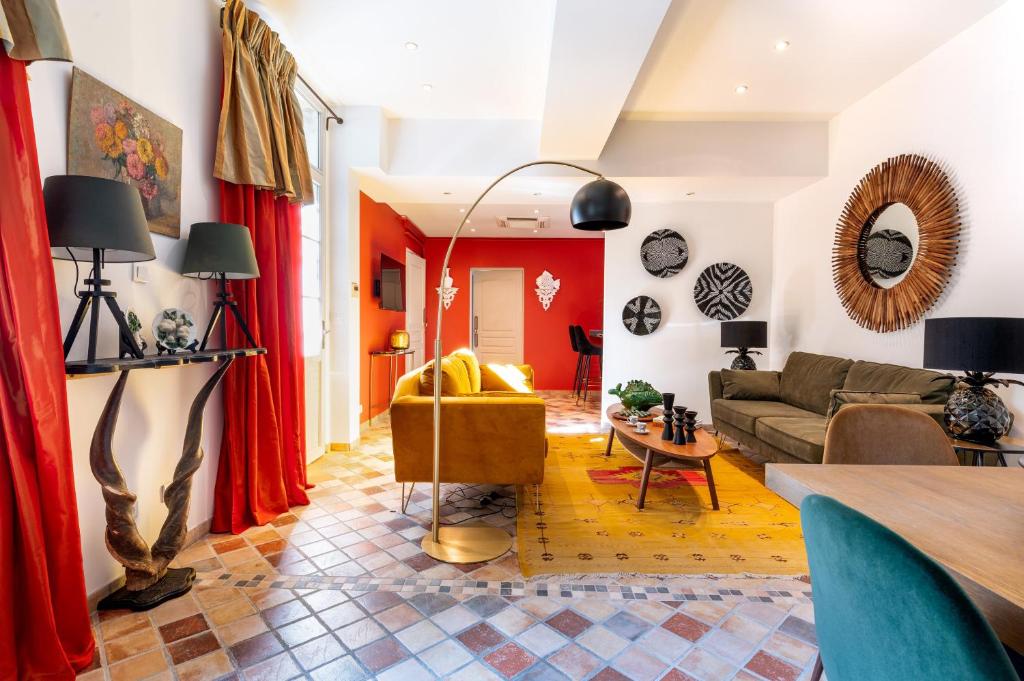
point(597, 49)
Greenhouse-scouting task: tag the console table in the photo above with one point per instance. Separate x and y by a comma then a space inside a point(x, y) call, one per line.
point(392, 356)
point(148, 579)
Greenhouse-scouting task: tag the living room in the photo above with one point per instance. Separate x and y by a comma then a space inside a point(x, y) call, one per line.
point(778, 443)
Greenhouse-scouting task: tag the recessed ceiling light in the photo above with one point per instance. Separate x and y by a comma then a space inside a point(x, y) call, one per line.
point(468, 221)
point(472, 229)
point(690, 193)
point(427, 87)
point(742, 89)
point(781, 46)
point(535, 211)
point(462, 210)
point(534, 231)
point(411, 46)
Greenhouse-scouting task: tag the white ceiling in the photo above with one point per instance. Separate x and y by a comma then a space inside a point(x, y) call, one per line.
point(483, 58)
point(526, 67)
point(840, 50)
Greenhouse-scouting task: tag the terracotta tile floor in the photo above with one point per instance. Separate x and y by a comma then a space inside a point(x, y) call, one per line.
point(341, 590)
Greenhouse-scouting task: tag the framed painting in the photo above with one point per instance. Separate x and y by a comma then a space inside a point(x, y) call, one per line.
point(111, 136)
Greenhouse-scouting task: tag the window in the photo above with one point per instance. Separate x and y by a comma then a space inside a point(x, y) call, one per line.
point(312, 234)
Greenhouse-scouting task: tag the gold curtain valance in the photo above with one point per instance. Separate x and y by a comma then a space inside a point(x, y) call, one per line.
point(260, 140)
point(31, 30)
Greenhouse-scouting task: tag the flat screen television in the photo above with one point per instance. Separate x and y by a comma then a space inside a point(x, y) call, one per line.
point(391, 284)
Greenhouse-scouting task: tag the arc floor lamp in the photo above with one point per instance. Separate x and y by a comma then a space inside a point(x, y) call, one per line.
point(599, 206)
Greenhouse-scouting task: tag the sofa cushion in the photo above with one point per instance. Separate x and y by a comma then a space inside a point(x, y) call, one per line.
point(803, 438)
point(808, 380)
point(472, 367)
point(506, 378)
point(750, 385)
point(454, 378)
point(889, 378)
point(744, 413)
point(842, 398)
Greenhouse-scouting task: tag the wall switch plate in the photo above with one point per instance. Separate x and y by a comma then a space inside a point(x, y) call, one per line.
point(355, 289)
point(140, 273)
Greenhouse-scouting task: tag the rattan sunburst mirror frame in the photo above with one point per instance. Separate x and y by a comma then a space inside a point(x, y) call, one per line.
point(925, 188)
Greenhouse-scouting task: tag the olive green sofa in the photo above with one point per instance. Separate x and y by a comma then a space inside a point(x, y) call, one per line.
point(791, 428)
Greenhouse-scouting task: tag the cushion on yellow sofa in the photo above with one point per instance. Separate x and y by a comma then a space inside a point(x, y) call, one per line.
point(454, 378)
point(472, 367)
point(506, 378)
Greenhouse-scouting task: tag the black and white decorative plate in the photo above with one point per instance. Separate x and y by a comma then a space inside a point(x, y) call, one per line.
point(641, 316)
point(888, 254)
point(664, 253)
point(723, 291)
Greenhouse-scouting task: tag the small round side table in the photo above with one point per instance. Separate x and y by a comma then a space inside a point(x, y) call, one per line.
point(1005, 445)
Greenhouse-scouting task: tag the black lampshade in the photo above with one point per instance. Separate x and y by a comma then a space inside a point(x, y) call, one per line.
point(215, 247)
point(83, 213)
point(600, 206)
point(975, 344)
point(744, 334)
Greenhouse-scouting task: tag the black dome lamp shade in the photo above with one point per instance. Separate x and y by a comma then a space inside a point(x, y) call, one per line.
point(224, 251)
point(92, 218)
point(600, 206)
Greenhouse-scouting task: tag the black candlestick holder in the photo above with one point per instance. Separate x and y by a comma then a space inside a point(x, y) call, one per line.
point(669, 398)
point(679, 416)
point(690, 419)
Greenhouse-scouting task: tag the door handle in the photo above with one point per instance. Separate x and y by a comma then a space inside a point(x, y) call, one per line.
point(476, 337)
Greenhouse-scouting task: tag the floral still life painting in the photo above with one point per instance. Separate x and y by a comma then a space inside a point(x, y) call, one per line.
point(111, 136)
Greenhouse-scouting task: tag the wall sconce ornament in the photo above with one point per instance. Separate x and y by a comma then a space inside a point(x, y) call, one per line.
point(447, 292)
point(547, 287)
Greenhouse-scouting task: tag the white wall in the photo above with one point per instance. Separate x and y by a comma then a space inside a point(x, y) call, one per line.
point(165, 56)
point(679, 354)
point(962, 106)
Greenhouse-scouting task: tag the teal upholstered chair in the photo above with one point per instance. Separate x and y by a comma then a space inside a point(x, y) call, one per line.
point(884, 611)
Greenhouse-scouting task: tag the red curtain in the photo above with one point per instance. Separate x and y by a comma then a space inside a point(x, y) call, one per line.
point(262, 468)
point(44, 618)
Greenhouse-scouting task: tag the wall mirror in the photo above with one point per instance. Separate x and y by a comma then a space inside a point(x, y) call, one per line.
point(896, 243)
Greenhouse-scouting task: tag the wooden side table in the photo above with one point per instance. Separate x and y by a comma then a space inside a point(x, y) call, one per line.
point(148, 579)
point(393, 374)
point(1005, 445)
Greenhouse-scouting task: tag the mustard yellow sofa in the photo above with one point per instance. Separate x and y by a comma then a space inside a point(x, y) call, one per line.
point(492, 424)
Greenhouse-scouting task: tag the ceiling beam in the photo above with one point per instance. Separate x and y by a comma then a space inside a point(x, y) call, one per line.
point(597, 49)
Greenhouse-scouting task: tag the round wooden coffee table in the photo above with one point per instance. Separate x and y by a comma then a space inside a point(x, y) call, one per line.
point(649, 446)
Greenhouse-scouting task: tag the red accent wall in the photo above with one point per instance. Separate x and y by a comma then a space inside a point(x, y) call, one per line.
point(578, 263)
point(381, 230)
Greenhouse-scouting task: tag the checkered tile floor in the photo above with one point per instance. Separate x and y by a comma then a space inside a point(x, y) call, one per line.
point(341, 590)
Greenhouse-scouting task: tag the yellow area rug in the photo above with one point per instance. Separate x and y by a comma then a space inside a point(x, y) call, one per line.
point(588, 522)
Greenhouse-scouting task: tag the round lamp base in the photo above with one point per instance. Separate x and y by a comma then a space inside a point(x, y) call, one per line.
point(467, 544)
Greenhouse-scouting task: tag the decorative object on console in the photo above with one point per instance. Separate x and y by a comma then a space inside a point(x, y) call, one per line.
point(743, 336)
point(600, 205)
point(224, 251)
point(679, 423)
point(399, 340)
point(637, 397)
point(664, 253)
point(978, 346)
point(923, 187)
point(111, 136)
point(641, 315)
point(99, 220)
point(723, 291)
point(446, 290)
point(135, 326)
point(888, 253)
point(547, 287)
point(667, 400)
point(173, 330)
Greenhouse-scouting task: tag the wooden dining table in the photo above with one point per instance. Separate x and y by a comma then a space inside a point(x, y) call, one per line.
point(969, 519)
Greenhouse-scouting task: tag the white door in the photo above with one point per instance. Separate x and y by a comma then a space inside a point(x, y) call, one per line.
point(496, 324)
point(415, 308)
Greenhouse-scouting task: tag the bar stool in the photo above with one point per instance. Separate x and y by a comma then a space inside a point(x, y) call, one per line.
point(579, 360)
point(588, 351)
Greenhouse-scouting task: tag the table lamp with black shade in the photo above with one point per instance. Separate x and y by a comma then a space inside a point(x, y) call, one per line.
point(980, 347)
point(101, 221)
point(222, 251)
point(742, 336)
